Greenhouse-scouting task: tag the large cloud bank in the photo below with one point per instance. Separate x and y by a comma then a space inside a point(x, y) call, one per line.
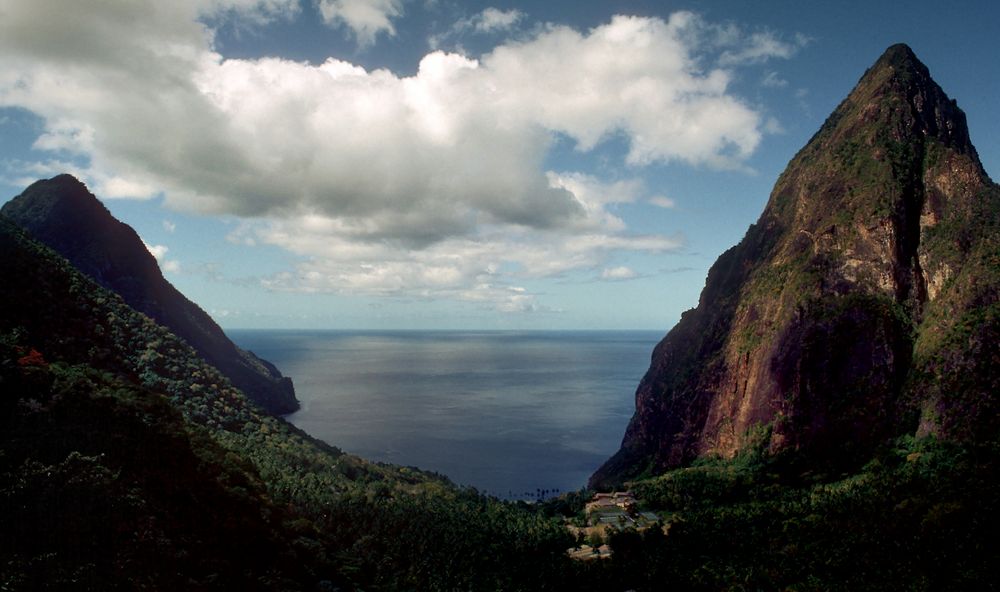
point(431, 184)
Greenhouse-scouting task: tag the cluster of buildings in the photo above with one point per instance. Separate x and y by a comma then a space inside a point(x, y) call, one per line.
point(623, 500)
point(618, 509)
point(608, 510)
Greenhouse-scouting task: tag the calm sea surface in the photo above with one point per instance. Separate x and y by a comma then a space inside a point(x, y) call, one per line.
point(509, 413)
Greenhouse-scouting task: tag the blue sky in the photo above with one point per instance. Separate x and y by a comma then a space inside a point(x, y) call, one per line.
point(437, 164)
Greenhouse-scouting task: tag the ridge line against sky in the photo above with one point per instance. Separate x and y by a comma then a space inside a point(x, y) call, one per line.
point(419, 164)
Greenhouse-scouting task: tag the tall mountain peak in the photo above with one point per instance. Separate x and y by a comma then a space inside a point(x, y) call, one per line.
point(898, 51)
point(900, 57)
point(62, 213)
point(851, 312)
point(896, 99)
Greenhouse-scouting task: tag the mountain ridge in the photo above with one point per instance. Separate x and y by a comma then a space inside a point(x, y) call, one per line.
point(64, 214)
point(815, 331)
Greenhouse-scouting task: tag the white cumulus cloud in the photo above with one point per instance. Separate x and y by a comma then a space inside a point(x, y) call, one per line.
point(427, 184)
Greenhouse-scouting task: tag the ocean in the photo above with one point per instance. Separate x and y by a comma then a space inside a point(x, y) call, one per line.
point(517, 415)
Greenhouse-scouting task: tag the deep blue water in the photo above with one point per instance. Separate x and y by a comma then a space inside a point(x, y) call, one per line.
point(506, 412)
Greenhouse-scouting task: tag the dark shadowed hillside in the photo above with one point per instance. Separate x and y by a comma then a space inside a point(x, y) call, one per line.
point(63, 214)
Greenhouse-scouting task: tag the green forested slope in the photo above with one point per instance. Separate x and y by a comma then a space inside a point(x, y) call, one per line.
point(920, 515)
point(61, 213)
point(84, 375)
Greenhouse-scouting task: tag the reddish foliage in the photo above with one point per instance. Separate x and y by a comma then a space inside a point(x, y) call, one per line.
point(33, 358)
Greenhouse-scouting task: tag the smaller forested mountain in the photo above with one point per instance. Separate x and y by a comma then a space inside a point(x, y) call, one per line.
point(128, 462)
point(64, 215)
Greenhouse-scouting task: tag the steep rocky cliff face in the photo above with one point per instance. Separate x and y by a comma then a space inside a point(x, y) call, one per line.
point(63, 214)
point(863, 304)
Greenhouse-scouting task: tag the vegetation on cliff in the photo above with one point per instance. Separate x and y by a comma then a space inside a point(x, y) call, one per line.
point(856, 310)
point(64, 215)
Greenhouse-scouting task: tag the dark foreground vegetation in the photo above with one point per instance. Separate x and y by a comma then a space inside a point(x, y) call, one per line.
point(920, 515)
point(128, 463)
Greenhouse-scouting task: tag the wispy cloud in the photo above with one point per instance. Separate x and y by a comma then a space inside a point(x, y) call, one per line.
point(494, 19)
point(618, 273)
point(757, 47)
point(773, 80)
point(365, 18)
point(662, 201)
point(488, 22)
